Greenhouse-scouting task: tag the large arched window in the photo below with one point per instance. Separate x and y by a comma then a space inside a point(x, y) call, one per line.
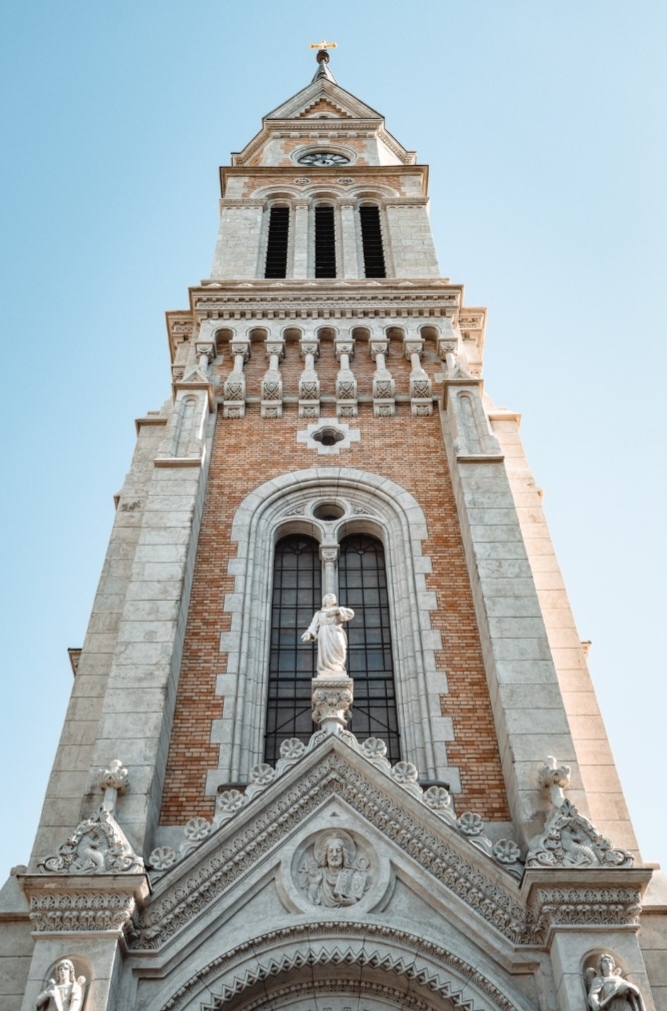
point(362, 578)
point(297, 594)
point(329, 504)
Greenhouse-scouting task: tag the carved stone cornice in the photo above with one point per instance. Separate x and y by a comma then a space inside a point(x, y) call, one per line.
point(584, 898)
point(105, 904)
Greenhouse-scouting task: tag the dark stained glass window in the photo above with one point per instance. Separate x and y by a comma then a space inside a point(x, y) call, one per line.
point(362, 578)
point(297, 594)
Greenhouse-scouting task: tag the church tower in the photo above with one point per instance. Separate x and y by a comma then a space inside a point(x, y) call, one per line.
point(332, 742)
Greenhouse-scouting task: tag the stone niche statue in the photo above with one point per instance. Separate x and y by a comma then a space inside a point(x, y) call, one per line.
point(334, 876)
point(65, 992)
point(327, 630)
point(607, 989)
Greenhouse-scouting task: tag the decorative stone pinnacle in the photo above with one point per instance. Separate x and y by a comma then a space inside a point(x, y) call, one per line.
point(556, 779)
point(114, 780)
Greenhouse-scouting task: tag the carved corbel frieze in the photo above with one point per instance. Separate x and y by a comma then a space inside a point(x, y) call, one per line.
point(309, 383)
point(234, 387)
point(384, 387)
point(272, 384)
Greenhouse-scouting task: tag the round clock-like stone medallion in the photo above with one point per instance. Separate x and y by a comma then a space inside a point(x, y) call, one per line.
point(323, 158)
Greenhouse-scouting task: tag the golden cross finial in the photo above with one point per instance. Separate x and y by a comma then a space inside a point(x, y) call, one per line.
point(322, 45)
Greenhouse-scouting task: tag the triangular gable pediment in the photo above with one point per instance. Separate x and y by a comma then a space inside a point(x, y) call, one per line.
point(323, 90)
point(333, 781)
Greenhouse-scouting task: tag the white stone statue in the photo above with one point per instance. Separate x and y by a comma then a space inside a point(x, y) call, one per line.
point(608, 989)
point(327, 630)
point(65, 992)
point(335, 877)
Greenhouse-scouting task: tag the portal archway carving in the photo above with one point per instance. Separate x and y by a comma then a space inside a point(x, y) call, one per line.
point(392, 968)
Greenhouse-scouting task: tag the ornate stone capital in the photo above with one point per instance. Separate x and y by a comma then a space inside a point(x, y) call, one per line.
point(332, 698)
point(275, 347)
point(343, 347)
point(114, 780)
point(309, 347)
point(413, 346)
point(240, 347)
point(378, 346)
point(206, 348)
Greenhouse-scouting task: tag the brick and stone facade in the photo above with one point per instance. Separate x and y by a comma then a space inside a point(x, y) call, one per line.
point(173, 867)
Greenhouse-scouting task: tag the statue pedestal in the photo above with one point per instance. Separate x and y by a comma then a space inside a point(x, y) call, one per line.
point(332, 698)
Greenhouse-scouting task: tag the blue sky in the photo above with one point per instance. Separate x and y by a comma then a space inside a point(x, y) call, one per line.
point(543, 124)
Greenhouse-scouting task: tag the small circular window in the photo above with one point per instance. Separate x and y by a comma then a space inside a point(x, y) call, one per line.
point(328, 511)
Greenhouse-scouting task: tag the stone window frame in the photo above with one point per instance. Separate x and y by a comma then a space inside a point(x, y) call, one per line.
point(376, 506)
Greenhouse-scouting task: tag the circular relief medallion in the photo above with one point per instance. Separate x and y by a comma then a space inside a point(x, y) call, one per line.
point(323, 158)
point(334, 870)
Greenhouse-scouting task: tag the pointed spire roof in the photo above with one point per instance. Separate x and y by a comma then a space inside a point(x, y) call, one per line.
point(323, 64)
point(324, 86)
point(323, 100)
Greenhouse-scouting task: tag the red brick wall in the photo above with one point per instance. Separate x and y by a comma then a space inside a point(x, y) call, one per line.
point(410, 452)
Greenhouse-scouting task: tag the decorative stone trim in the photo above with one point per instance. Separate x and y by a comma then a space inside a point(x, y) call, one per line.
point(331, 699)
point(81, 911)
